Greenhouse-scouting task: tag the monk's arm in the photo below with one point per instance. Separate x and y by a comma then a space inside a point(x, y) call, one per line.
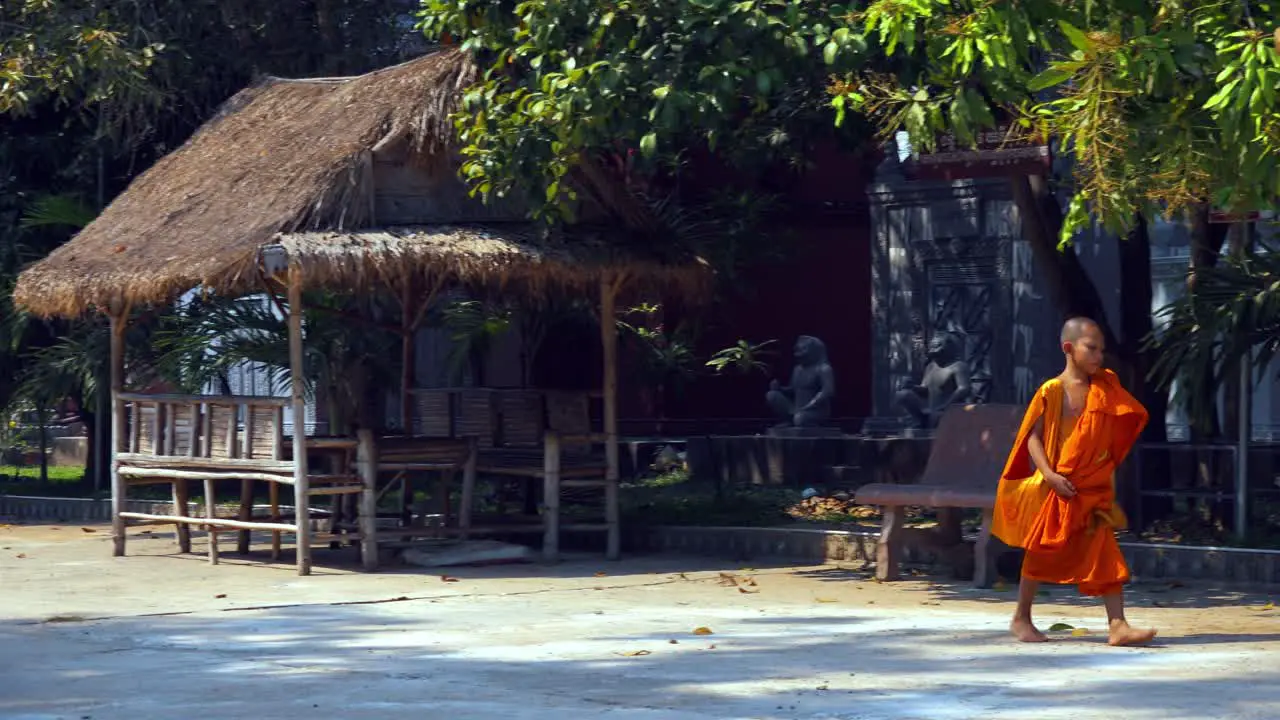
point(1035, 447)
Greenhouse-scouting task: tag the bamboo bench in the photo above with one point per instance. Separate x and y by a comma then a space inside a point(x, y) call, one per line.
point(180, 439)
point(531, 435)
point(969, 451)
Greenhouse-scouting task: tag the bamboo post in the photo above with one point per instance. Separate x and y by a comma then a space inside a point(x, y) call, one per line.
point(551, 497)
point(181, 500)
point(210, 513)
point(468, 489)
point(609, 342)
point(246, 485)
point(367, 464)
point(301, 486)
point(277, 452)
point(119, 323)
point(407, 356)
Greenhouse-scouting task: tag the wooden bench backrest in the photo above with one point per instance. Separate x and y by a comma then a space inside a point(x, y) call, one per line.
point(420, 449)
point(521, 420)
point(205, 426)
point(971, 446)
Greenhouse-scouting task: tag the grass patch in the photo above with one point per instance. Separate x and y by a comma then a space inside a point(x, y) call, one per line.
point(57, 473)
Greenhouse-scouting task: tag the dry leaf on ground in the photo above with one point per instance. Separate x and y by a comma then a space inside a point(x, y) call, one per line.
point(446, 578)
point(219, 596)
point(88, 530)
point(635, 653)
point(703, 631)
point(1079, 632)
point(826, 600)
point(1265, 608)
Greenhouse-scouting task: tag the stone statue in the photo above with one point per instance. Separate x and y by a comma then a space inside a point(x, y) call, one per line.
point(806, 402)
point(945, 382)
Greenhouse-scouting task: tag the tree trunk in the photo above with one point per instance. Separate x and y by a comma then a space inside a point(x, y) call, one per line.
point(1068, 284)
point(1136, 326)
point(1207, 241)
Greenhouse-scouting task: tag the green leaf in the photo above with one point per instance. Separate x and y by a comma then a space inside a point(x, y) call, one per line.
point(1049, 78)
point(649, 144)
point(662, 92)
point(1074, 36)
point(1060, 627)
point(829, 53)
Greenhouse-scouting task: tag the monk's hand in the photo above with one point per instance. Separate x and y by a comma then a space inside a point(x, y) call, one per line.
point(1061, 485)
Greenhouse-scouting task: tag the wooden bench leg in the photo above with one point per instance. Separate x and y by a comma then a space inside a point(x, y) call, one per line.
point(889, 547)
point(985, 552)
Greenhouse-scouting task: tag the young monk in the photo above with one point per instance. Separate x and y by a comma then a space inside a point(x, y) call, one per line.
point(1056, 497)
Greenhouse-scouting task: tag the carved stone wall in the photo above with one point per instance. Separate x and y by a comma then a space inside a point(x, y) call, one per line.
point(948, 257)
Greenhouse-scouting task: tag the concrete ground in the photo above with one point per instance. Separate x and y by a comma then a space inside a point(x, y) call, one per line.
point(160, 635)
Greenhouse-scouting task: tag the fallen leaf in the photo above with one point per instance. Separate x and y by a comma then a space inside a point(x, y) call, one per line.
point(702, 631)
point(1060, 627)
point(1079, 632)
point(1175, 585)
point(88, 530)
point(600, 574)
point(871, 602)
point(673, 641)
point(727, 579)
point(1266, 608)
point(446, 578)
point(826, 600)
point(930, 602)
point(711, 647)
point(635, 653)
point(219, 596)
point(22, 556)
point(745, 591)
point(682, 576)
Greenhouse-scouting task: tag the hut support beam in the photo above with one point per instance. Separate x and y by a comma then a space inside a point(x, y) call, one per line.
point(119, 324)
point(609, 287)
point(297, 377)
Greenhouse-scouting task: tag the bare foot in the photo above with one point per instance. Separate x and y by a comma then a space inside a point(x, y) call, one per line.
point(1123, 634)
point(1026, 632)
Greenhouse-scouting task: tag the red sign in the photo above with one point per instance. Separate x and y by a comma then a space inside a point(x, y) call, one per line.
point(995, 156)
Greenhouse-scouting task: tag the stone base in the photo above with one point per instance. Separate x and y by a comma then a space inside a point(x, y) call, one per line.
point(843, 462)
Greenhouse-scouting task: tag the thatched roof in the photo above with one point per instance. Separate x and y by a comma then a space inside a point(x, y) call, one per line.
point(282, 156)
point(502, 255)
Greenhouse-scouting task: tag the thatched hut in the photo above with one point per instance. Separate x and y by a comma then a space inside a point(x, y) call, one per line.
point(346, 183)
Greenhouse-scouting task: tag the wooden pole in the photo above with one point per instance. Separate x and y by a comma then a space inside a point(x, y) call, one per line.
point(367, 463)
point(609, 343)
point(408, 355)
point(551, 497)
point(210, 513)
point(297, 373)
point(119, 323)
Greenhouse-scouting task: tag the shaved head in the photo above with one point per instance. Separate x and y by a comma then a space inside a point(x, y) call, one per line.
point(1077, 327)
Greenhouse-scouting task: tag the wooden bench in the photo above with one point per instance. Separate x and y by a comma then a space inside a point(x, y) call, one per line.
point(969, 452)
point(182, 439)
point(542, 437)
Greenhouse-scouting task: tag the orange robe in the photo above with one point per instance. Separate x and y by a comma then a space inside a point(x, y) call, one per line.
point(1071, 541)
